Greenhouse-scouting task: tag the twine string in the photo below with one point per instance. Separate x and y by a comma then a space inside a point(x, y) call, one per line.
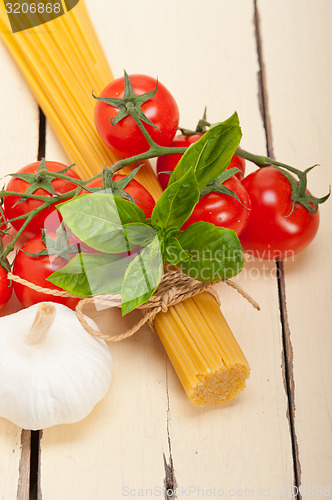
point(175, 287)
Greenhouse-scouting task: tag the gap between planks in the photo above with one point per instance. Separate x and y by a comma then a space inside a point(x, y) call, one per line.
point(170, 482)
point(288, 373)
point(28, 483)
point(287, 355)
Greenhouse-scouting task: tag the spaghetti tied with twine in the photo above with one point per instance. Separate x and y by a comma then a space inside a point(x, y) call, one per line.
point(175, 287)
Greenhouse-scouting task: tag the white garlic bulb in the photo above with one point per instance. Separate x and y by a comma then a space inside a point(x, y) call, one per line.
point(51, 370)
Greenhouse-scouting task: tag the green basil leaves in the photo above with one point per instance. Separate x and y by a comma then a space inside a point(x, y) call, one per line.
point(98, 220)
point(127, 252)
point(216, 254)
point(211, 154)
point(177, 202)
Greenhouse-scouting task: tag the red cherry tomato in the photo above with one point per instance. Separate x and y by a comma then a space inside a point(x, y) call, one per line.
point(275, 229)
point(6, 288)
point(168, 163)
point(36, 270)
point(240, 163)
point(141, 196)
point(49, 216)
point(223, 210)
point(125, 137)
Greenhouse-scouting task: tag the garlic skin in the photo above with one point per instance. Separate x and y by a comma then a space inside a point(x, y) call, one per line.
point(54, 377)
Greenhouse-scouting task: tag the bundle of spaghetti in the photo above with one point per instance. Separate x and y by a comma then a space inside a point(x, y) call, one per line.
point(203, 350)
point(63, 62)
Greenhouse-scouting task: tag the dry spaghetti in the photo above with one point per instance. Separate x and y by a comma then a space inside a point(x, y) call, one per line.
point(63, 62)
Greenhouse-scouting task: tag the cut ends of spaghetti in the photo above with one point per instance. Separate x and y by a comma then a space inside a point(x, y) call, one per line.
point(220, 387)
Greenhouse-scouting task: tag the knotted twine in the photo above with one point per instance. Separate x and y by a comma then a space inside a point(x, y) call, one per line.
point(175, 287)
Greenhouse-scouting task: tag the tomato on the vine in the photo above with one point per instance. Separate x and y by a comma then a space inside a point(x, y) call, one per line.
point(223, 210)
point(6, 287)
point(168, 163)
point(14, 207)
point(276, 228)
point(142, 197)
point(36, 270)
point(125, 137)
point(240, 163)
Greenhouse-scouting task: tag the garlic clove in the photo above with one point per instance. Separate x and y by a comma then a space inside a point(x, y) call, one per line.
point(57, 380)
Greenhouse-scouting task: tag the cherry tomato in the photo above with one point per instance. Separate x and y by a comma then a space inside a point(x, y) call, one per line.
point(125, 137)
point(168, 163)
point(275, 229)
point(141, 196)
point(6, 288)
point(36, 270)
point(240, 163)
point(50, 216)
point(223, 210)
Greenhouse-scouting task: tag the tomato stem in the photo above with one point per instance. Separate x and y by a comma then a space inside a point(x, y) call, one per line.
point(201, 127)
point(153, 152)
point(30, 216)
point(263, 161)
point(132, 111)
point(72, 180)
point(299, 193)
point(3, 192)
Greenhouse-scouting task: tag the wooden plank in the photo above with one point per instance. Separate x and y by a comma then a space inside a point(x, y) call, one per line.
point(243, 449)
point(19, 146)
point(299, 80)
point(119, 448)
point(23, 490)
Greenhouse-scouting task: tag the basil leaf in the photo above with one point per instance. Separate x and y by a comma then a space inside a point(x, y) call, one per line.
point(211, 154)
point(97, 219)
point(177, 202)
point(174, 252)
point(138, 234)
point(142, 277)
point(128, 211)
point(214, 253)
point(89, 274)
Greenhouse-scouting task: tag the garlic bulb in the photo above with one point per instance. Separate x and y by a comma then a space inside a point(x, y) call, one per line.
point(51, 370)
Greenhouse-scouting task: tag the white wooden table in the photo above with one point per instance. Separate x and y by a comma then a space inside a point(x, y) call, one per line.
point(271, 62)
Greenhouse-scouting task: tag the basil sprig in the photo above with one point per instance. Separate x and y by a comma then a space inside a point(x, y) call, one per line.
point(211, 154)
point(215, 255)
point(135, 249)
point(98, 220)
point(177, 202)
